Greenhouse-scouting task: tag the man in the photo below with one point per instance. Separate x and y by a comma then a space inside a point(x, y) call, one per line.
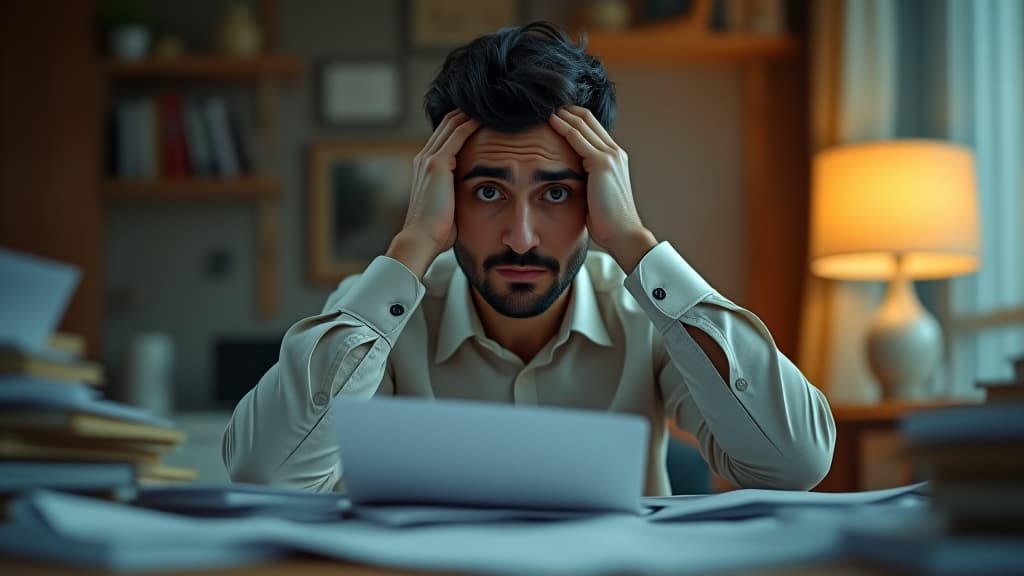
point(489, 292)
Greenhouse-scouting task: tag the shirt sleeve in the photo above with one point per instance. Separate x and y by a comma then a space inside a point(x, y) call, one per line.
point(768, 426)
point(280, 432)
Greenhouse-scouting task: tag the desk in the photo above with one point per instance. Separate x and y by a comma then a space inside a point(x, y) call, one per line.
point(853, 422)
point(306, 566)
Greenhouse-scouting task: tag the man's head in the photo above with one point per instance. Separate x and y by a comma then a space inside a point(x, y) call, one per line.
point(520, 188)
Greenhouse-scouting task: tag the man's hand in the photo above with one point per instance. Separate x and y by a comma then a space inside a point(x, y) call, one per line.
point(429, 227)
point(611, 212)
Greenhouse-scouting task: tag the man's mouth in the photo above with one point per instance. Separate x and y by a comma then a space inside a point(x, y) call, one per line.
point(520, 273)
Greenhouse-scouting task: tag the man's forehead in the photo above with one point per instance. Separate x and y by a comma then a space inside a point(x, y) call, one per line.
point(540, 140)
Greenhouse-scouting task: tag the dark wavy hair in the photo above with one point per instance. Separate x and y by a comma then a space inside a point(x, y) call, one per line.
point(516, 78)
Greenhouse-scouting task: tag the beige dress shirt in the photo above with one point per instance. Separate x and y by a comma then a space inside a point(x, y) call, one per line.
point(621, 347)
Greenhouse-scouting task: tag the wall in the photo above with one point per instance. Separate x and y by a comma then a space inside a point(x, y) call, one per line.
point(680, 128)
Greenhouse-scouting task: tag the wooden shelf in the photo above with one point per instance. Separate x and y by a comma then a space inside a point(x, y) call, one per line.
point(660, 48)
point(249, 188)
point(278, 67)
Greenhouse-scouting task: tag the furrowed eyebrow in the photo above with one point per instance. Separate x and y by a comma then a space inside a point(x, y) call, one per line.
point(481, 171)
point(556, 175)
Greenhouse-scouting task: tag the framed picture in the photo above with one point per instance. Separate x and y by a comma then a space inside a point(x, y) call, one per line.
point(360, 92)
point(436, 25)
point(358, 193)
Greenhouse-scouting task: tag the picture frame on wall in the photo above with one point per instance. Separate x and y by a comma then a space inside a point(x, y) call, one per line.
point(439, 25)
point(357, 197)
point(364, 92)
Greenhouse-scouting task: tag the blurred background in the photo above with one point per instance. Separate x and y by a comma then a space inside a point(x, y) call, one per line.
point(214, 168)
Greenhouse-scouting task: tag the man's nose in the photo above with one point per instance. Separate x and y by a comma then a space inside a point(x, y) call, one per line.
point(520, 233)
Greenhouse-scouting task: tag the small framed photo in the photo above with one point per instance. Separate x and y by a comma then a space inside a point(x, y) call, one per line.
point(360, 92)
point(358, 194)
point(436, 25)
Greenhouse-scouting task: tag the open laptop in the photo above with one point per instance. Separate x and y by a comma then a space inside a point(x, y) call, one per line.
point(454, 452)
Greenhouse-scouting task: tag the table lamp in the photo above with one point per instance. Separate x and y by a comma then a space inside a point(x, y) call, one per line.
point(896, 210)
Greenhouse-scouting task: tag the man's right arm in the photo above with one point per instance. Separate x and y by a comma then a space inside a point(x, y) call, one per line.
point(280, 432)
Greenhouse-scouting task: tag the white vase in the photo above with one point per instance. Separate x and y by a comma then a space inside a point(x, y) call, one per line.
point(149, 372)
point(130, 42)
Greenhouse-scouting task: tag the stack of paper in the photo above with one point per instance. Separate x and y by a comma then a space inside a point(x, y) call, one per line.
point(56, 430)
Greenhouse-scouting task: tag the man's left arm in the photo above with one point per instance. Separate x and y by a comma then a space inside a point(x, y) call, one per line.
point(759, 421)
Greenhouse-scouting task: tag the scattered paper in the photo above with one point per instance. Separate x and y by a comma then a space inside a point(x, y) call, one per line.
point(34, 293)
point(750, 503)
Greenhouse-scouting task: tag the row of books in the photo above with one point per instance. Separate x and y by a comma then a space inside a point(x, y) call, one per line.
point(58, 432)
point(172, 136)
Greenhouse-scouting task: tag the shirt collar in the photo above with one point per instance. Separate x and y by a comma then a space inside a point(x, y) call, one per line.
point(459, 321)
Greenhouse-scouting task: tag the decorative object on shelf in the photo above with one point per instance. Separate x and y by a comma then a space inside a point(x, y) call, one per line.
point(128, 27)
point(443, 24)
point(687, 16)
point(169, 48)
point(357, 199)
point(130, 42)
point(605, 15)
point(239, 35)
point(756, 16)
point(360, 92)
point(896, 210)
point(149, 372)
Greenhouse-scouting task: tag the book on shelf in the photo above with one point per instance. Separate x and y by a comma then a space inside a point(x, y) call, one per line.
point(178, 137)
point(50, 366)
point(173, 152)
point(197, 140)
point(224, 151)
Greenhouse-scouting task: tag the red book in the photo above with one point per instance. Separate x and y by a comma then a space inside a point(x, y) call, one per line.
point(173, 153)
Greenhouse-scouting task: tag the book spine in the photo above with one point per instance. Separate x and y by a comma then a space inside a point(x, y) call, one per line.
point(220, 137)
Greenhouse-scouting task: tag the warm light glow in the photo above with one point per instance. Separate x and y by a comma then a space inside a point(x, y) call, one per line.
point(915, 198)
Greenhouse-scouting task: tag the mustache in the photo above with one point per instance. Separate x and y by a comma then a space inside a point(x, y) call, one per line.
point(527, 259)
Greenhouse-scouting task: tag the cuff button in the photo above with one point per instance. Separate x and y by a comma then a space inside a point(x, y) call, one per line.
point(741, 385)
point(659, 294)
point(397, 309)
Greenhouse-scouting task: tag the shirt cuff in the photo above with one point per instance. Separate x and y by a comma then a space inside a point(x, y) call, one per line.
point(384, 297)
point(666, 286)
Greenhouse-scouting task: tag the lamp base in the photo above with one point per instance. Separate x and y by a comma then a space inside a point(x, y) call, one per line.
point(904, 343)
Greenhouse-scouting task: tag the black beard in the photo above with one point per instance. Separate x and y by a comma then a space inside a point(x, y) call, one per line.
point(522, 301)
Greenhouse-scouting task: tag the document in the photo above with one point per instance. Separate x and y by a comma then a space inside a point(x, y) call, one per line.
point(34, 293)
point(750, 503)
point(460, 453)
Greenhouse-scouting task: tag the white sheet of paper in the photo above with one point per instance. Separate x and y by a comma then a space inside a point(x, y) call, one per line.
point(753, 502)
point(34, 292)
point(415, 451)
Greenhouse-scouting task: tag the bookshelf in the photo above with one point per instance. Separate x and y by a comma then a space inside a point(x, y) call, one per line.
point(640, 48)
point(274, 66)
point(265, 73)
point(249, 188)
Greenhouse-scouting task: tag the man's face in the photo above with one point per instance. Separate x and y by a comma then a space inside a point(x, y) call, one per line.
point(521, 214)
